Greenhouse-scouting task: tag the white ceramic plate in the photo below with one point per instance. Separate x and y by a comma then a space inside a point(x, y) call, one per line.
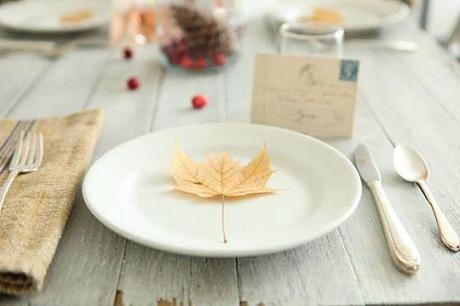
point(358, 15)
point(130, 190)
point(43, 16)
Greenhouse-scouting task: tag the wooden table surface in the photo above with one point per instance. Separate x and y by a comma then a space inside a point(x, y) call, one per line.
point(403, 98)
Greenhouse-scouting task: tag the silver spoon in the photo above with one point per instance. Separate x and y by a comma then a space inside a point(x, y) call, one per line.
point(412, 167)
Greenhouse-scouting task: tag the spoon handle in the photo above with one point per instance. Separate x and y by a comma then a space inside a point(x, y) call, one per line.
point(402, 249)
point(448, 235)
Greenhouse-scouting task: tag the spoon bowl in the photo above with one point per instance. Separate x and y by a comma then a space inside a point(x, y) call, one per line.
point(410, 164)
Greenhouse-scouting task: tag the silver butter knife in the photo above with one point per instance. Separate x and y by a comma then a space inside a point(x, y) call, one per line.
point(49, 48)
point(402, 249)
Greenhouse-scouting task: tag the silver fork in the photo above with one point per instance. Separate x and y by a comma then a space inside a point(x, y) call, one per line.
point(27, 157)
point(8, 146)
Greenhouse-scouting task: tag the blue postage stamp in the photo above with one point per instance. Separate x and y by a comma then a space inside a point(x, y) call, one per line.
point(349, 70)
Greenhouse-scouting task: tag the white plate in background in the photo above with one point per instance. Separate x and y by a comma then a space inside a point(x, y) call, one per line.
point(358, 15)
point(43, 16)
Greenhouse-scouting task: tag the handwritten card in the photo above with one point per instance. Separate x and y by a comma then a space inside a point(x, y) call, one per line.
point(316, 96)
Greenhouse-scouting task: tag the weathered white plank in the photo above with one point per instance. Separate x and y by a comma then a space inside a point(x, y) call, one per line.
point(178, 89)
point(408, 114)
point(19, 72)
point(90, 264)
point(295, 277)
point(63, 89)
point(65, 86)
point(127, 113)
point(378, 280)
point(315, 274)
point(256, 39)
point(436, 71)
point(413, 96)
point(170, 277)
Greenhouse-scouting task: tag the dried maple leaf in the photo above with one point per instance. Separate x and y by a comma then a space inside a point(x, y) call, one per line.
point(220, 175)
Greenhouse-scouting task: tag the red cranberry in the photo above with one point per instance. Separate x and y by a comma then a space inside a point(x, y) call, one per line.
point(127, 53)
point(186, 62)
point(133, 83)
point(199, 101)
point(200, 63)
point(176, 57)
point(219, 59)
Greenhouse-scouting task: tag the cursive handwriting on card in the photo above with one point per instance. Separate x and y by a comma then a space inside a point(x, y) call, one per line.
point(316, 96)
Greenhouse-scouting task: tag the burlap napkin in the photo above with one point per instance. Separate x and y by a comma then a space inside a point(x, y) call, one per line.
point(38, 204)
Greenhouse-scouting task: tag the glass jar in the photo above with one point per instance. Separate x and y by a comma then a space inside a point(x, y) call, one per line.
point(311, 39)
point(133, 22)
point(198, 35)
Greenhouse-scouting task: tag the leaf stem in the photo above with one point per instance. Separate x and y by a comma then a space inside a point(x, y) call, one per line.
point(223, 217)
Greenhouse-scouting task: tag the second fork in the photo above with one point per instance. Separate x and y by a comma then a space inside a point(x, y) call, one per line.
point(27, 158)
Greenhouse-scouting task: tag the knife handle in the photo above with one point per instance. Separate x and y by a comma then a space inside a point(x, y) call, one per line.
point(402, 249)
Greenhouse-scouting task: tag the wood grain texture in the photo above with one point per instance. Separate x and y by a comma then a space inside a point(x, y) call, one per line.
point(411, 98)
point(423, 129)
point(80, 80)
point(65, 88)
point(374, 269)
point(291, 277)
point(167, 277)
point(100, 251)
point(19, 72)
point(198, 281)
point(177, 92)
point(240, 76)
point(314, 274)
point(404, 113)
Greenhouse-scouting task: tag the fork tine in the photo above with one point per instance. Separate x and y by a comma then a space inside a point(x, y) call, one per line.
point(10, 143)
point(8, 147)
point(30, 151)
point(32, 148)
point(39, 156)
point(6, 157)
point(17, 152)
point(14, 134)
point(25, 150)
point(7, 153)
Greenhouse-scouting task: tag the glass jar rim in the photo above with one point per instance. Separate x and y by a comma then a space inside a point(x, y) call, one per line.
point(304, 30)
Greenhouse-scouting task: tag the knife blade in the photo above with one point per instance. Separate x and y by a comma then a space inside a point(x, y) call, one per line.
point(402, 249)
point(366, 166)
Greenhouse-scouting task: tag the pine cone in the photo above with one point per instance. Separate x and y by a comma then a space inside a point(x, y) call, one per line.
point(205, 34)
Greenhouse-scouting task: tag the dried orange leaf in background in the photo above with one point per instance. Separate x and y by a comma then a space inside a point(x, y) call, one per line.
point(220, 175)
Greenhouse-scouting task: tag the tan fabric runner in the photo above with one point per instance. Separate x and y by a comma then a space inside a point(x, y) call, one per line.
point(38, 204)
